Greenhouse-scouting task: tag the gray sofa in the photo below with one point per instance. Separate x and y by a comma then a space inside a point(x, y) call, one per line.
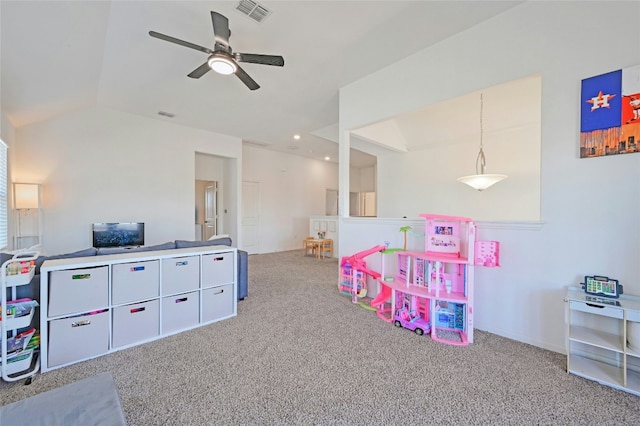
point(33, 290)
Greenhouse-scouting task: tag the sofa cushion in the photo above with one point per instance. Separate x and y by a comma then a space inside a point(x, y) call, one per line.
point(80, 253)
point(4, 257)
point(218, 242)
point(118, 250)
point(215, 237)
point(169, 245)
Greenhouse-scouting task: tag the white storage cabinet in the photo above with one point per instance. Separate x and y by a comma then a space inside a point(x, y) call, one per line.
point(95, 305)
point(601, 341)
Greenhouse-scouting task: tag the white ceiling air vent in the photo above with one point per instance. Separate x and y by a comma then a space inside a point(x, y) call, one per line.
point(253, 10)
point(255, 143)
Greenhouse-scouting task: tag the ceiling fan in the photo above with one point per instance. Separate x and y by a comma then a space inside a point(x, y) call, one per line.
point(222, 59)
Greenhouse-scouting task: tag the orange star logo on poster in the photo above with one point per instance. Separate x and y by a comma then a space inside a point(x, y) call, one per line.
point(600, 101)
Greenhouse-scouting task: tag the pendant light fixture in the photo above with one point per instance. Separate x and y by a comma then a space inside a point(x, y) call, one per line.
point(480, 180)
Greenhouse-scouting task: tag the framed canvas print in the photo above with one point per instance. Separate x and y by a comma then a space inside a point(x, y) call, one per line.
point(610, 113)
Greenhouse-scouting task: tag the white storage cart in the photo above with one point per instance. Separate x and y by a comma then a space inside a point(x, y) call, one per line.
point(19, 355)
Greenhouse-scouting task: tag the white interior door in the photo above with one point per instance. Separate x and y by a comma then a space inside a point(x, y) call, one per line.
point(211, 210)
point(250, 217)
point(368, 203)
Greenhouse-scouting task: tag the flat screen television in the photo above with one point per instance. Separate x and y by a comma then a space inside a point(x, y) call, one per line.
point(129, 234)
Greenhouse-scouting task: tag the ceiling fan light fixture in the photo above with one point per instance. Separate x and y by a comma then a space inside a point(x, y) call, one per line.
point(222, 64)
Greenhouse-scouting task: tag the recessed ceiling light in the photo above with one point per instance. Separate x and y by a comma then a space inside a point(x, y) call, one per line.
point(296, 137)
point(327, 158)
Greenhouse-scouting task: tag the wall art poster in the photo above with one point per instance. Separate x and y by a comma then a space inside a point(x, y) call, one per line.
point(610, 113)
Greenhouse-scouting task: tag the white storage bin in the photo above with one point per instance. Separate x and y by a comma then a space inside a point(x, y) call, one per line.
point(14, 323)
point(217, 269)
point(180, 274)
point(180, 312)
point(135, 323)
point(78, 337)
point(21, 278)
point(132, 282)
point(217, 302)
point(19, 362)
point(78, 290)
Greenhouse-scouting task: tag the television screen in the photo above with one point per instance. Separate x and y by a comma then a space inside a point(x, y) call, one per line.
point(118, 234)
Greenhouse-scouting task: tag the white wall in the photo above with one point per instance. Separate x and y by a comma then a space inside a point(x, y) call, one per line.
point(589, 207)
point(292, 189)
point(101, 165)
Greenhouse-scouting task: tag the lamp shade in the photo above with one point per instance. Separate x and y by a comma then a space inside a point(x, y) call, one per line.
point(26, 195)
point(482, 181)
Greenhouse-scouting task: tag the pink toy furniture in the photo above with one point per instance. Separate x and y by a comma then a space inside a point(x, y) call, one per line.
point(437, 284)
point(429, 291)
point(353, 274)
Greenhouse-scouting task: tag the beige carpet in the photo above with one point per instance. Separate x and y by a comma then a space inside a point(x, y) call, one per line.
point(301, 353)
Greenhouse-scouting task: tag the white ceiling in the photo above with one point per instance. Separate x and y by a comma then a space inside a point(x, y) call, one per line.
point(62, 56)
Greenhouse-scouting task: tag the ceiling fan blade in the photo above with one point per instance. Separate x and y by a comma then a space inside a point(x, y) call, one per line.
point(252, 58)
point(248, 81)
point(180, 42)
point(200, 71)
point(220, 28)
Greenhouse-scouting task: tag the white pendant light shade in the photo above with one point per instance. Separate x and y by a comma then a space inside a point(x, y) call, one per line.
point(480, 180)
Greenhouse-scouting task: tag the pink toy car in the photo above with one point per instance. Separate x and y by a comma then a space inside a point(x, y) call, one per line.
point(411, 320)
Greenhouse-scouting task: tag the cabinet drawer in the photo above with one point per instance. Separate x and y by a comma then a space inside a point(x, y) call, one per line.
point(78, 290)
point(217, 269)
point(135, 323)
point(217, 302)
point(180, 274)
point(607, 311)
point(132, 282)
point(180, 312)
point(79, 337)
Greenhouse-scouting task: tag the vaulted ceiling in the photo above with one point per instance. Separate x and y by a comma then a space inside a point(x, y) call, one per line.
point(60, 56)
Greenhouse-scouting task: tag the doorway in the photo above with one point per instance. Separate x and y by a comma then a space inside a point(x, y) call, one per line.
point(206, 209)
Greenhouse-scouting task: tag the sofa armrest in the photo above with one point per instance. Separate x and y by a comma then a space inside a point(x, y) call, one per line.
point(243, 274)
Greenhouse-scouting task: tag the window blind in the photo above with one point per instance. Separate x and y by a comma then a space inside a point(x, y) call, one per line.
point(4, 199)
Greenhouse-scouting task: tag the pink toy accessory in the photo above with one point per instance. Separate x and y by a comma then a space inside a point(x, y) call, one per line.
point(354, 271)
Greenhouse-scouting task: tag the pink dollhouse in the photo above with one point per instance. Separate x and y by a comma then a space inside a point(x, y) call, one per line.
point(428, 291)
point(437, 285)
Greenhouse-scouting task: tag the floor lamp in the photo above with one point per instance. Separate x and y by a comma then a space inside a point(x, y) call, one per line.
point(26, 202)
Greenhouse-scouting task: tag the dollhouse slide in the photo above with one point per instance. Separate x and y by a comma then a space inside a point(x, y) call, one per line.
point(383, 296)
point(357, 261)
